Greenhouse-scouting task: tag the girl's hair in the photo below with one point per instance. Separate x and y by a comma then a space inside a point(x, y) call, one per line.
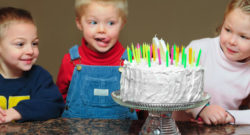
point(243, 5)
point(122, 5)
point(9, 15)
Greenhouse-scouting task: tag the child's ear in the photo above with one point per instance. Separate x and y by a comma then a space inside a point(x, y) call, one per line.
point(123, 23)
point(78, 23)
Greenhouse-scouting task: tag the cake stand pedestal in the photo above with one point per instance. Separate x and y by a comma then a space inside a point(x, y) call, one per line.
point(159, 120)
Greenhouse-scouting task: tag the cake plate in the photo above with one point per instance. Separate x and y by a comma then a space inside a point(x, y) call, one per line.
point(159, 120)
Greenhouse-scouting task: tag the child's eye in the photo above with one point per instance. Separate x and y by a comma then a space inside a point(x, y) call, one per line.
point(19, 44)
point(111, 23)
point(244, 37)
point(93, 22)
point(228, 30)
point(35, 43)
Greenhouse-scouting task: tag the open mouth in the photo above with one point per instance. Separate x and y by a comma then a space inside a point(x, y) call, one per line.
point(104, 40)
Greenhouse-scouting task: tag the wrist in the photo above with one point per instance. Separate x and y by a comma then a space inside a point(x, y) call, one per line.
point(13, 114)
point(198, 115)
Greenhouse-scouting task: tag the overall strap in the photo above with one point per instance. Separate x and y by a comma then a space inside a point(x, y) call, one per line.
point(74, 54)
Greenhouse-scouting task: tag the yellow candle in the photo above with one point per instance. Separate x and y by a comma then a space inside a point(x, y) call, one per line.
point(190, 55)
point(153, 50)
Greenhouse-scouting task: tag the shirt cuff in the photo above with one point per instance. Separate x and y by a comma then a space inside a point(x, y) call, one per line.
point(240, 116)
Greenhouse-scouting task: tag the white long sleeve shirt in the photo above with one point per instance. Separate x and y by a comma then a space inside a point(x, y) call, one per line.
point(227, 82)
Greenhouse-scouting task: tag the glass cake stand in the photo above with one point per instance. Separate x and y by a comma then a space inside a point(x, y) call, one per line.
point(159, 120)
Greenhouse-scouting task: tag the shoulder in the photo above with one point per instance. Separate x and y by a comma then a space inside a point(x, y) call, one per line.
point(38, 72)
point(204, 42)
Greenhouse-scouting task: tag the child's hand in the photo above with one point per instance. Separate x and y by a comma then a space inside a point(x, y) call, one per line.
point(10, 115)
point(2, 115)
point(214, 114)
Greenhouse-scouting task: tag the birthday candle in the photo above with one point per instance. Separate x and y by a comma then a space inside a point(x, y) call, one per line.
point(138, 54)
point(149, 63)
point(163, 44)
point(193, 59)
point(167, 55)
point(177, 53)
point(128, 54)
point(153, 50)
point(183, 55)
point(172, 55)
point(198, 59)
point(168, 47)
point(151, 53)
point(190, 55)
point(156, 42)
point(141, 52)
point(133, 50)
point(174, 52)
point(185, 60)
point(159, 55)
point(144, 51)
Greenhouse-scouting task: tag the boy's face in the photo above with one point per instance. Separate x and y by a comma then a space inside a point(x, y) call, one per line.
point(19, 48)
point(101, 25)
point(235, 36)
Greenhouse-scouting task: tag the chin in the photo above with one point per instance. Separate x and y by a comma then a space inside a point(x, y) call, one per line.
point(27, 68)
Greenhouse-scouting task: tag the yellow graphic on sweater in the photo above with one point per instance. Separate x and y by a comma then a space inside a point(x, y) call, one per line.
point(13, 101)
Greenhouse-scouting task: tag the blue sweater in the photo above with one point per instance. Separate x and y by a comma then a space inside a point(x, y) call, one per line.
point(34, 95)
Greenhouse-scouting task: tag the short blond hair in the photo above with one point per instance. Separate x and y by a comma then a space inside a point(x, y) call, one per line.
point(122, 5)
point(243, 5)
point(9, 15)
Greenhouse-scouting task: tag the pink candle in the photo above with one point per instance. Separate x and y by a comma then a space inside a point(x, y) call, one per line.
point(172, 55)
point(151, 51)
point(159, 55)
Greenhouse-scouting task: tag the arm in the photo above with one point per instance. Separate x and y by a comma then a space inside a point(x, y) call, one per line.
point(64, 76)
point(46, 101)
point(242, 116)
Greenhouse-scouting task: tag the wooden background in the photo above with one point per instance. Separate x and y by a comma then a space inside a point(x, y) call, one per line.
point(176, 21)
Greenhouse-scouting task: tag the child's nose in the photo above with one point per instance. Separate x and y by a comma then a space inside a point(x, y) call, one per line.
point(233, 40)
point(29, 49)
point(101, 28)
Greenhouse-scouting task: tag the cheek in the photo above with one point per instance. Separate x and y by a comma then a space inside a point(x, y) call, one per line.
point(36, 52)
point(245, 49)
point(222, 41)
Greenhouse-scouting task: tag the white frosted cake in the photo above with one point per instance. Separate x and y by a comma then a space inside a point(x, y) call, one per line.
point(157, 73)
point(160, 84)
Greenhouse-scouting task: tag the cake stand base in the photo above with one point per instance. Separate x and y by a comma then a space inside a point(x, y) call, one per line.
point(159, 123)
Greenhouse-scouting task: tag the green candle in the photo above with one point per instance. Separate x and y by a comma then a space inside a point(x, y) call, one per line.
point(149, 63)
point(198, 59)
point(167, 58)
point(128, 54)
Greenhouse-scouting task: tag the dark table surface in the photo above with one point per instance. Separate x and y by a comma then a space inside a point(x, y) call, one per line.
point(64, 126)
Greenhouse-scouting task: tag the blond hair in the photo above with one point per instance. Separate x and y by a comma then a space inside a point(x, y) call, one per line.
point(122, 5)
point(9, 15)
point(243, 5)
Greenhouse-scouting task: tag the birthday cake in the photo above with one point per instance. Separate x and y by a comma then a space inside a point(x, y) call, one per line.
point(147, 80)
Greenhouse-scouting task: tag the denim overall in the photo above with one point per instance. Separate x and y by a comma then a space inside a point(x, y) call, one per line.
point(89, 94)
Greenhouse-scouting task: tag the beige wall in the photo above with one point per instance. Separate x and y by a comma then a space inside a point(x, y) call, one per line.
point(176, 21)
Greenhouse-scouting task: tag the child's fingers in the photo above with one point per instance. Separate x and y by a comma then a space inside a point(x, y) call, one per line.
point(2, 119)
point(207, 120)
point(2, 112)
